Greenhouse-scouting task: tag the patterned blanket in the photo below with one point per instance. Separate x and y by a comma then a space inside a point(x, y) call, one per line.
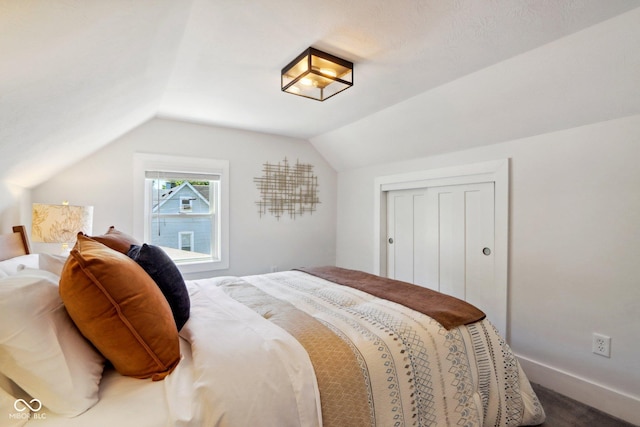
point(447, 310)
point(378, 363)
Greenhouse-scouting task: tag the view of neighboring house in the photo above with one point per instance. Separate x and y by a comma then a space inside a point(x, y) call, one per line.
point(181, 216)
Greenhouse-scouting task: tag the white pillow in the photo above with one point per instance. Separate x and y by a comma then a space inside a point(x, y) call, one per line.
point(12, 265)
point(41, 349)
point(47, 262)
point(10, 393)
point(52, 263)
point(10, 415)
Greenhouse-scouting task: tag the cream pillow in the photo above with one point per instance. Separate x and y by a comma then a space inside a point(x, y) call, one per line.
point(47, 262)
point(7, 410)
point(12, 265)
point(52, 263)
point(41, 349)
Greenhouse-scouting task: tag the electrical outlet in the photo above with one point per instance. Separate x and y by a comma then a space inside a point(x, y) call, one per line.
point(601, 345)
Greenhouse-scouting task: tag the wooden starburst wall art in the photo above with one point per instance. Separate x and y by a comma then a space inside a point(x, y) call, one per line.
point(287, 189)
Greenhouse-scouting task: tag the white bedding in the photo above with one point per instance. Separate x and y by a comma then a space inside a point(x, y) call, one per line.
point(417, 372)
point(242, 370)
point(126, 401)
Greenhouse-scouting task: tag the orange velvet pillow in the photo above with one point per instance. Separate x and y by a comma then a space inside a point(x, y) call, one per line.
point(120, 309)
point(116, 240)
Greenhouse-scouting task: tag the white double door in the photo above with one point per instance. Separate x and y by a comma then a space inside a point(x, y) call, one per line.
point(443, 238)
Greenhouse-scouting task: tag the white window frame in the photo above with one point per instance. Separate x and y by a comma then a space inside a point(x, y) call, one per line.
point(143, 162)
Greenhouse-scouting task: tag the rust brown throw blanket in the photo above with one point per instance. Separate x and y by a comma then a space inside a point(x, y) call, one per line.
point(446, 310)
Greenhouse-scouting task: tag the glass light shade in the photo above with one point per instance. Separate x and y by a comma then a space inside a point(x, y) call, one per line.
point(60, 223)
point(317, 75)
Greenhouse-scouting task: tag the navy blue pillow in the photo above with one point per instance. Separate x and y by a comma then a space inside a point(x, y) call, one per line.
point(165, 273)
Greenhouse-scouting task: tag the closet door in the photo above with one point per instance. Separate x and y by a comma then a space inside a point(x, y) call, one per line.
point(442, 238)
point(406, 236)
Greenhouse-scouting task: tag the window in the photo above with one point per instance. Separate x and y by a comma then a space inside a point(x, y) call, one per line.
point(185, 239)
point(185, 209)
point(186, 204)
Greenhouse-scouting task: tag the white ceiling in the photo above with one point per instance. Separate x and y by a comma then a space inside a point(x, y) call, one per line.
point(77, 74)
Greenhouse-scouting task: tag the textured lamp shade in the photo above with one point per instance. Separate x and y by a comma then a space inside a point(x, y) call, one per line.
point(317, 75)
point(60, 223)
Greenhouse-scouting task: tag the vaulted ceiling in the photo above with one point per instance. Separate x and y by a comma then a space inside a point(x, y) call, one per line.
point(77, 74)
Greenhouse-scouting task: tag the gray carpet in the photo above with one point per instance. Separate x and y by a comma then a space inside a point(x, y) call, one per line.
point(565, 412)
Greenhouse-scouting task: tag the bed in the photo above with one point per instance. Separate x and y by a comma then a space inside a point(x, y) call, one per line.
point(320, 346)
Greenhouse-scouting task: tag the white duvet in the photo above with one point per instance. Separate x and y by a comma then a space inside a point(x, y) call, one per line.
point(237, 370)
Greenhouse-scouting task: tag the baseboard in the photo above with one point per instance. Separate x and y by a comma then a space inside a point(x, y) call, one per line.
point(605, 399)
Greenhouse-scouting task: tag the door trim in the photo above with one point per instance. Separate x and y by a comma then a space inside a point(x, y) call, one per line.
point(496, 171)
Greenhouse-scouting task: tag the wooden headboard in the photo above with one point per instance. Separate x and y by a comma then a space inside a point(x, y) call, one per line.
point(14, 244)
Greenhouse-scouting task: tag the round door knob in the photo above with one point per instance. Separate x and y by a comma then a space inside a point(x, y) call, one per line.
point(391, 240)
point(486, 251)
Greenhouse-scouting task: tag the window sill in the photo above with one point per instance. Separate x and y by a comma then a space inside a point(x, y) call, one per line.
point(201, 266)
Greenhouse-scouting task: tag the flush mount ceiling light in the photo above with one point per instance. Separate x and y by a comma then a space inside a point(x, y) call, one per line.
point(317, 75)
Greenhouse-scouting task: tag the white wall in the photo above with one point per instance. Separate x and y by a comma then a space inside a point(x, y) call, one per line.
point(15, 201)
point(587, 77)
point(104, 181)
point(574, 252)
